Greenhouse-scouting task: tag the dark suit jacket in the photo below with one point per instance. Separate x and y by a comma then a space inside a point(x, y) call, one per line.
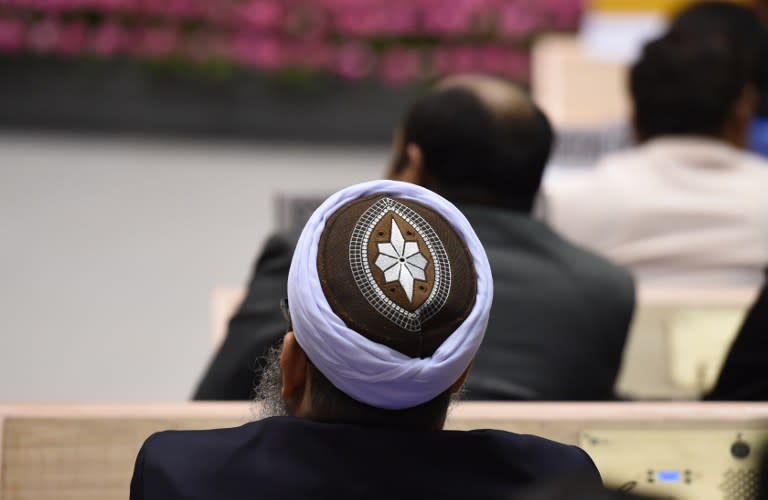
point(558, 324)
point(285, 457)
point(257, 326)
point(560, 314)
point(744, 376)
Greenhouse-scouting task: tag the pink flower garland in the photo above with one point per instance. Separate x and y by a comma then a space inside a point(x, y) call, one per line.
point(398, 41)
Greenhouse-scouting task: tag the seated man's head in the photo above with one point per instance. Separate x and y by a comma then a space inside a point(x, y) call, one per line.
point(702, 77)
point(475, 139)
point(388, 298)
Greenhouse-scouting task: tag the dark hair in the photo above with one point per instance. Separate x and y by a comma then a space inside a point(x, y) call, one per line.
point(331, 404)
point(683, 86)
point(474, 154)
point(688, 81)
point(739, 23)
point(736, 23)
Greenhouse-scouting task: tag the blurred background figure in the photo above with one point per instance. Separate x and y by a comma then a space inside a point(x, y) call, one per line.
point(687, 205)
point(560, 314)
point(744, 376)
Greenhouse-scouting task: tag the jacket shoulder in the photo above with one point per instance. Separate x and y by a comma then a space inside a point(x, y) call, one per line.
point(546, 458)
point(210, 440)
point(169, 465)
point(278, 247)
point(591, 269)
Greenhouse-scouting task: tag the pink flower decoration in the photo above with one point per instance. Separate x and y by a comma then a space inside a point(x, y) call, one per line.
point(517, 21)
point(399, 66)
point(108, 40)
point(377, 20)
point(204, 46)
point(112, 6)
point(226, 13)
point(306, 21)
point(566, 14)
point(484, 59)
point(402, 21)
point(11, 35)
point(463, 60)
point(517, 65)
point(43, 36)
point(72, 39)
point(182, 8)
point(444, 20)
point(265, 53)
point(491, 59)
point(357, 22)
point(148, 7)
point(313, 55)
point(262, 14)
point(355, 61)
point(334, 35)
point(159, 42)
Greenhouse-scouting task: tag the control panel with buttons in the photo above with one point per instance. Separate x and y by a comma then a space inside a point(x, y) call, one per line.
point(683, 464)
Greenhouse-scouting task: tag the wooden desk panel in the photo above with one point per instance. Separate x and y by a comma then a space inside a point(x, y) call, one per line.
point(87, 451)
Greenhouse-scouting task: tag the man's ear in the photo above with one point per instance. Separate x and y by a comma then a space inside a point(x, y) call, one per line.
point(409, 168)
point(294, 367)
point(743, 111)
point(413, 171)
point(456, 387)
point(746, 105)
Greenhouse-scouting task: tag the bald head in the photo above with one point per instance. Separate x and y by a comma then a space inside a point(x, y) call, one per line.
point(501, 97)
point(478, 139)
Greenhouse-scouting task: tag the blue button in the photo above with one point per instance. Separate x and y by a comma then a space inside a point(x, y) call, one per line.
point(668, 476)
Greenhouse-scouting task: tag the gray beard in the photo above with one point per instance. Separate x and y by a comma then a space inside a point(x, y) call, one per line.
point(269, 399)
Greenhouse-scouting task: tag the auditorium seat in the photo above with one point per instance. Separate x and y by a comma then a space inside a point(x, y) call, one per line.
point(679, 338)
point(689, 450)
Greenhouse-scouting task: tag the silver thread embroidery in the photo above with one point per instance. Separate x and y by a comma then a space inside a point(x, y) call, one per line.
point(361, 270)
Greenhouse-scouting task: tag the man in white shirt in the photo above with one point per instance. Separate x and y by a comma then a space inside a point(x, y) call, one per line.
point(688, 205)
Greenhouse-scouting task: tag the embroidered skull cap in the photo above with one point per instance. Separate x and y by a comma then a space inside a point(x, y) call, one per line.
point(396, 272)
point(390, 292)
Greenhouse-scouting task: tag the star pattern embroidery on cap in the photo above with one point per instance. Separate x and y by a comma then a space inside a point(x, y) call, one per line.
point(401, 261)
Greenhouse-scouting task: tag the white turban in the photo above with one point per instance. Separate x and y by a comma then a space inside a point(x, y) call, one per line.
point(367, 371)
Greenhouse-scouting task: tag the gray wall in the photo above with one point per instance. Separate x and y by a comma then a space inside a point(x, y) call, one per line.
point(110, 250)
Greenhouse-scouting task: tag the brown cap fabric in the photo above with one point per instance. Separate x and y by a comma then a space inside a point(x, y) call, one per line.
point(396, 272)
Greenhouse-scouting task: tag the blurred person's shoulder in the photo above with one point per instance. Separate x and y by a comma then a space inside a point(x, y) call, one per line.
point(590, 186)
point(586, 204)
point(623, 161)
point(756, 162)
point(276, 252)
point(282, 240)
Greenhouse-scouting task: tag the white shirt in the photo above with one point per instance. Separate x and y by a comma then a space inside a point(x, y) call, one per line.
point(675, 210)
